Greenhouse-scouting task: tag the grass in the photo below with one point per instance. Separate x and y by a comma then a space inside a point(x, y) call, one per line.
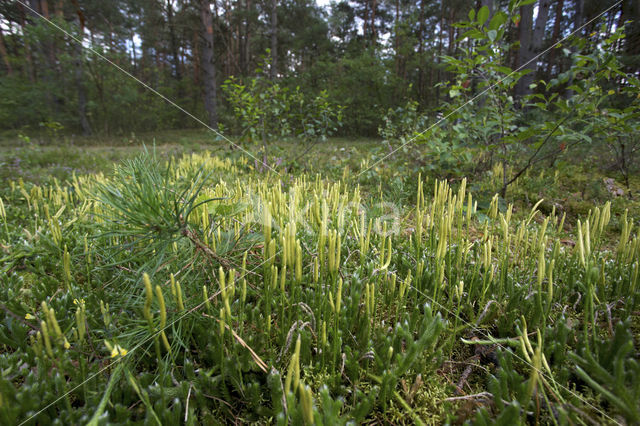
point(186, 286)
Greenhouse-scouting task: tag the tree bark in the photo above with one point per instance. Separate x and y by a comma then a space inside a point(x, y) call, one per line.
point(631, 12)
point(173, 41)
point(58, 9)
point(208, 64)
point(28, 54)
point(5, 55)
point(421, 33)
point(525, 52)
point(374, 36)
point(539, 28)
point(196, 57)
point(365, 24)
point(396, 26)
point(440, 47)
point(452, 32)
point(274, 39)
point(579, 17)
point(556, 36)
point(247, 42)
point(79, 73)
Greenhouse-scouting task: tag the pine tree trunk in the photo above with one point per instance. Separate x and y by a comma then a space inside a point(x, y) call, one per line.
point(579, 15)
point(173, 41)
point(5, 55)
point(28, 54)
point(539, 28)
point(79, 73)
point(525, 53)
point(556, 36)
point(208, 64)
point(374, 36)
point(421, 32)
point(274, 39)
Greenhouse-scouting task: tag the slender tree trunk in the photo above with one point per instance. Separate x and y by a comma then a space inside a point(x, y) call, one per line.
point(173, 42)
point(440, 47)
point(28, 54)
point(5, 55)
point(48, 47)
point(274, 39)
point(374, 35)
point(396, 26)
point(631, 12)
point(79, 73)
point(58, 9)
point(365, 24)
point(525, 53)
point(579, 16)
point(555, 37)
point(196, 57)
point(247, 44)
point(451, 32)
point(208, 64)
point(240, 39)
point(44, 7)
point(421, 32)
point(539, 29)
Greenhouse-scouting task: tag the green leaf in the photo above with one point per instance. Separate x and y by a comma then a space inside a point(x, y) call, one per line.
point(474, 34)
point(498, 19)
point(492, 34)
point(483, 15)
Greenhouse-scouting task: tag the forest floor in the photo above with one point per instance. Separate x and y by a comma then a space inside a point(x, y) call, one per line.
point(573, 187)
point(415, 298)
point(40, 158)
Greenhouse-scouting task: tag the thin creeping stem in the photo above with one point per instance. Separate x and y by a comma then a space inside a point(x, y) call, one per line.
point(145, 85)
point(144, 341)
point(520, 68)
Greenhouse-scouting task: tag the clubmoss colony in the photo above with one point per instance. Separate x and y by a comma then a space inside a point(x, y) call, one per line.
point(199, 292)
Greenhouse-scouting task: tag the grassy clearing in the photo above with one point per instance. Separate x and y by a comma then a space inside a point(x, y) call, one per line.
point(199, 290)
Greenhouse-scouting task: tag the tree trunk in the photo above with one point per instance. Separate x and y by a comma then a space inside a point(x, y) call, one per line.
point(79, 73)
point(579, 16)
point(58, 9)
point(540, 26)
point(5, 55)
point(452, 32)
point(421, 33)
point(365, 24)
point(208, 64)
point(396, 26)
point(49, 51)
point(525, 53)
point(556, 36)
point(173, 42)
point(28, 54)
point(374, 36)
point(247, 44)
point(440, 47)
point(631, 12)
point(274, 39)
point(196, 57)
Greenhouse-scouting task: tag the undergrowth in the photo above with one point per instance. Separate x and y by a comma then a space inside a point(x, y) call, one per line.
point(197, 291)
